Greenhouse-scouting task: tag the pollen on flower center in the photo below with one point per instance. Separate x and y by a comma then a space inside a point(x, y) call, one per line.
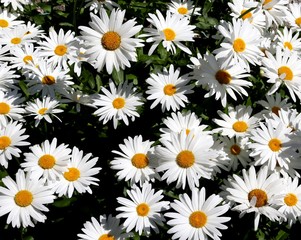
point(275, 144)
point(72, 175)
point(3, 23)
point(47, 161)
point(287, 71)
point(23, 198)
point(118, 103)
point(140, 160)
point(261, 197)
point(4, 142)
point(198, 219)
point(48, 80)
point(235, 149)
point(106, 236)
point(245, 15)
point(185, 159)
point(223, 77)
point(239, 45)
point(16, 40)
point(27, 59)
point(169, 89)
point(4, 108)
point(182, 10)
point(290, 199)
point(276, 110)
point(42, 111)
point(142, 209)
point(298, 21)
point(240, 126)
point(288, 45)
point(60, 50)
point(111, 40)
point(169, 34)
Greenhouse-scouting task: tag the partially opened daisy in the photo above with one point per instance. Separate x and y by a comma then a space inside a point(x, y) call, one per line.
point(184, 8)
point(144, 210)
point(171, 30)
point(24, 200)
point(290, 118)
point(110, 42)
point(169, 89)
point(197, 217)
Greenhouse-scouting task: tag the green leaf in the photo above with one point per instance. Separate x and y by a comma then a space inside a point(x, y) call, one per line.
point(118, 76)
point(64, 202)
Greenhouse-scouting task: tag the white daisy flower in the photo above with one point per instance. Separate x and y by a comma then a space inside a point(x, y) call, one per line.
point(143, 211)
point(110, 42)
point(168, 89)
point(34, 31)
point(78, 58)
point(290, 118)
point(293, 16)
point(118, 104)
point(96, 5)
point(184, 8)
point(24, 200)
point(197, 217)
point(8, 19)
point(16, 4)
point(8, 78)
point(287, 39)
point(274, 11)
point(171, 31)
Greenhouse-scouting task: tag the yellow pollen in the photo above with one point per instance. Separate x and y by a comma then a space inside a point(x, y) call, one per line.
point(3, 23)
point(72, 175)
point(287, 71)
point(140, 160)
point(185, 159)
point(60, 50)
point(187, 131)
point(235, 149)
point(298, 21)
point(288, 45)
point(261, 196)
point(111, 41)
point(142, 209)
point(16, 40)
point(106, 237)
point(245, 16)
point(42, 111)
point(198, 219)
point(118, 103)
point(276, 110)
point(290, 199)
point(223, 77)
point(240, 126)
point(47, 161)
point(4, 108)
point(27, 59)
point(48, 80)
point(182, 10)
point(239, 45)
point(23, 198)
point(4, 142)
point(275, 144)
point(169, 34)
point(170, 89)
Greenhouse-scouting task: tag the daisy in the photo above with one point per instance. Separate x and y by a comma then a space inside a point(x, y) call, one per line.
point(274, 11)
point(11, 137)
point(143, 211)
point(255, 192)
point(33, 31)
point(185, 158)
point(287, 39)
point(118, 104)
point(79, 176)
point(24, 200)
point(107, 227)
point(171, 31)
point(8, 19)
point(43, 109)
point(293, 16)
point(47, 161)
point(221, 79)
point(283, 69)
point(110, 42)
point(78, 58)
point(8, 77)
point(197, 217)
point(16, 4)
point(168, 89)
point(290, 118)
point(184, 8)
point(97, 5)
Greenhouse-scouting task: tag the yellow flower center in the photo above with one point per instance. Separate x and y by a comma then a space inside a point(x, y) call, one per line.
point(288, 45)
point(142, 209)
point(240, 126)
point(47, 161)
point(287, 71)
point(27, 59)
point(106, 237)
point(23, 198)
point(111, 41)
point(3, 23)
point(223, 77)
point(5, 141)
point(42, 111)
point(48, 80)
point(4, 108)
point(169, 34)
point(276, 110)
point(239, 45)
point(261, 196)
point(169, 89)
point(235, 149)
point(140, 160)
point(246, 15)
point(16, 40)
point(290, 199)
point(275, 144)
point(118, 103)
point(182, 10)
point(185, 159)
point(72, 175)
point(60, 50)
point(298, 21)
point(198, 219)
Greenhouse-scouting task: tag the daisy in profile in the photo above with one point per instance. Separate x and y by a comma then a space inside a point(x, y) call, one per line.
point(47, 161)
point(11, 138)
point(185, 158)
point(169, 89)
point(197, 217)
point(110, 42)
point(171, 30)
point(8, 78)
point(221, 79)
point(184, 8)
point(107, 227)
point(43, 109)
point(8, 19)
point(143, 211)
point(96, 5)
point(290, 118)
point(78, 58)
point(293, 16)
point(24, 200)
point(135, 162)
point(79, 176)
point(274, 11)
point(288, 39)
point(16, 4)
point(118, 103)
